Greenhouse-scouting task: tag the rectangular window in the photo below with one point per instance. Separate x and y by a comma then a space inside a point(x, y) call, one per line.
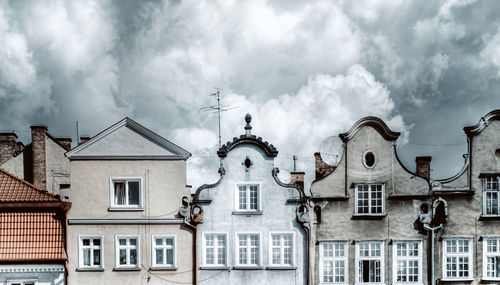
point(333, 262)
point(163, 251)
point(127, 251)
point(457, 258)
point(490, 196)
point(215, 249)
point(22, 282)
point(369, 199)
point(248, 249)
point(281, 253)
point(491, 258)
point(407, 262)
point(126, 192)
point(90, 252)
point(247, 198)
point(370, 262)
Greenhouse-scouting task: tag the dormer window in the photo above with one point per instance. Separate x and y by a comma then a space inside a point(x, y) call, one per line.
point(369, 199)
point(125, 193)
point(490, 195)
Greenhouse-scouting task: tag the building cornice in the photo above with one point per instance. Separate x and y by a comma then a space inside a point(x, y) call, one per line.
point(483, 122)
point(374, 122)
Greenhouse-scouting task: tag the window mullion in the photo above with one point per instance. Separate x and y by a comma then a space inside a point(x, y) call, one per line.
point(369, 201)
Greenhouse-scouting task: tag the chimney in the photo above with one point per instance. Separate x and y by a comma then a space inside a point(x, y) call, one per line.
point(38, 135)
point(9, 146)
point(65, 142)
point(297, 178)
point(84, 139)
point(322, 168)
point(424, 166)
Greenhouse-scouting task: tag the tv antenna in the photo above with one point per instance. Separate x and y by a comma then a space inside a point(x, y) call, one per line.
point(218, 109)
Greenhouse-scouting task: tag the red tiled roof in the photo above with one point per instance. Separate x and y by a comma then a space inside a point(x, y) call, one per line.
point(15, 189)
point(31, 235)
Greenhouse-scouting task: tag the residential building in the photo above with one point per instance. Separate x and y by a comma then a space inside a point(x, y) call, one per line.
point(32, 234)
point(127, 184)
point(364, 228)
point(254, 228)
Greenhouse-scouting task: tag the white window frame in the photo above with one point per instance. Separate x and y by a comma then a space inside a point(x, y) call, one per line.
point(486, 254)
point(237, 196)
point(323, 259)
point(470, 255)
point(216, 252)
point(128, 247)
point(381, 258)
point(22, 281)
point(237, 249)
point(356, 211)
point(80, 251)
point(154, 247)
point(282, 249)
point(396, 258)
point(486, 191)
point(112, 204)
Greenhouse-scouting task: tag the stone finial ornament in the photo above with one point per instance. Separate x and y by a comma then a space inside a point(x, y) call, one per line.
point(248, 127)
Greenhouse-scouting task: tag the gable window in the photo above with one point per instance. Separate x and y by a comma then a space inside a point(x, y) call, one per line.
point(90, 252)
point(126, 192)
point(248, 249)
point(369, 199)
point(281, 249)
point(491, 258)
point(407, 262)
point(457, 258)
point(370, 262)
point(127, 251)
point(215, 249)
point(491, 201)
point(163, 251)
point(333, 263)
point(247, 197)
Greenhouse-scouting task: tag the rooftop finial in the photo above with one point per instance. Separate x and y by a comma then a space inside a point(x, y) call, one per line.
point(248, 127)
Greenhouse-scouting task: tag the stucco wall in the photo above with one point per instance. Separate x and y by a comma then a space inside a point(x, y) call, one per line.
point(15, 165)
point(277, 215)
point(58, 167)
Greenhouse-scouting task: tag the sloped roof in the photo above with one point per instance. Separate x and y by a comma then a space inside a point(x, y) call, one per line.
point(31, 235)
point(15, 189)
point(140, 143)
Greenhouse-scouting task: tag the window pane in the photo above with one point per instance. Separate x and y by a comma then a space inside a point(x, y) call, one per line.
point(123, 256)
point(169, 241)
point(133, 193)
point(119, 193)
point(133, 257)
point(158, 241)
point(170, 256)
point(253, 197)
point(97, 242)
point(133, 241)
point(97, 257)
point(86, 241)
point(86, 257)
point(122, 241)
point(159, 256)
point(242, 197)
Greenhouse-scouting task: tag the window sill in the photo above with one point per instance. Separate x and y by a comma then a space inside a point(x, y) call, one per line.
point(368, 217)
point(125, 209)
point(456, 280)
point(89, 269)
point(370, 283)
point(127, 269)
point(281, 267)
point(164, 268)
point(215, 267)
point(489, 218)
point(247, 213)
point(490, 280)
point(248, 267)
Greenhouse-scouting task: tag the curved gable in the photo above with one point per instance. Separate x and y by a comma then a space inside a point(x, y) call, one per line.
point(374, 122)
point(483, 122)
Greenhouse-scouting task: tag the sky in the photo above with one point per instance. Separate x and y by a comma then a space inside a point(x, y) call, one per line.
point(305, 70)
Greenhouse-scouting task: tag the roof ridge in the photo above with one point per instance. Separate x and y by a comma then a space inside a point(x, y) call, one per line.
point(27, 183)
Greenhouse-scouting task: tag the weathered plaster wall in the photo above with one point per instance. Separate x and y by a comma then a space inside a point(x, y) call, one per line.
point(58, 167)
point(277, 215)
point(15, 165)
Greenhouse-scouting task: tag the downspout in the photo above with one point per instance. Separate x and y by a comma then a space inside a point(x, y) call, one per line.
point(66, 267)
point(432, 230)
point(195, 251)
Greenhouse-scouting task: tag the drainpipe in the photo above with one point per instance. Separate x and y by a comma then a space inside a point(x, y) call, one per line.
point(432, 230)
point(195, 251)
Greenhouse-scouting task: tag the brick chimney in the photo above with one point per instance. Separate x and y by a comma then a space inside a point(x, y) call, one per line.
point(322, 168)
point(84, 139)
point(38, 136)
point(65, 142)
point(9, 146)
point(424, 166)
point(297, 178)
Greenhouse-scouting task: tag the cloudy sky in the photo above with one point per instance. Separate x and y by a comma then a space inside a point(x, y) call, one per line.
point(305, 70)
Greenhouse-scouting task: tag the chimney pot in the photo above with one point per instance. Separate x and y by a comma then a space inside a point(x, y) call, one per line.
point(84, 139)
point(297, 178)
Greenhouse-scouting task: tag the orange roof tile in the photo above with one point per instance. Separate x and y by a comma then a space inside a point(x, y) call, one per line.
point(31, 235)
point(15, 189)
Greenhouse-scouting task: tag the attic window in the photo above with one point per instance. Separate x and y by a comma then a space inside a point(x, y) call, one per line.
point(369, 159)
point(497, 153)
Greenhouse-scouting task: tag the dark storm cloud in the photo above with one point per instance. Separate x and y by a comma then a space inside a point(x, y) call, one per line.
point(306, 71)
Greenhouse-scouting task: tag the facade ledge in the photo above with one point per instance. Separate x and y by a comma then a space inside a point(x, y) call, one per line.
point(489, 218)
point(408, 196)
point(454, 192)
point(158, 268)
point(84, 269)
point(455, 280)
point(120, 209)
point(368, 217)
point(248, 267)
point(127, 269)
point(247, 213)
point(215, 267)
point(330, 198)
point(281, 267)
point(124, 221)
point(200, 201)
